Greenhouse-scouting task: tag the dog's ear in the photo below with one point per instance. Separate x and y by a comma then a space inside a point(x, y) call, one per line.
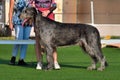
point(34, 9)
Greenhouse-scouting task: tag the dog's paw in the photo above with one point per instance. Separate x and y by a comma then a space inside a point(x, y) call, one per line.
point(101, 68)
point(48, 68)
point(91, 68)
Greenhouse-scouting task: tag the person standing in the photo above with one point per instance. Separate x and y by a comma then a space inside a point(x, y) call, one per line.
point(46, 7)
point(21, 32)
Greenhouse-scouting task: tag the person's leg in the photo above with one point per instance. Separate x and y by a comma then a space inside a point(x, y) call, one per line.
point(23, 49)
point(56, 65)
point(37, 47)
point(38, 52)
point(18, 36)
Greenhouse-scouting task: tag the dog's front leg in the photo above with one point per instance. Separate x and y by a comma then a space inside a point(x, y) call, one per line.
point(49, 58)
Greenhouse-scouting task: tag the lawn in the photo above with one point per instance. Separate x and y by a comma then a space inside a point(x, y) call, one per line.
point(73, 65)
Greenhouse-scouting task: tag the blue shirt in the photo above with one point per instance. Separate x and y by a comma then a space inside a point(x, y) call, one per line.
point(18, 7)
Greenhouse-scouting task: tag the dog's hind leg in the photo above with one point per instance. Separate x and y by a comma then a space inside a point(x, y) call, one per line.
point(94, 62)
point(96, 54)
point(90, 52)
point(103, 64)
point(101, 59)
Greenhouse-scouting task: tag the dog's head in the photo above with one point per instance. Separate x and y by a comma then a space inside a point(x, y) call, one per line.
point(28, 15)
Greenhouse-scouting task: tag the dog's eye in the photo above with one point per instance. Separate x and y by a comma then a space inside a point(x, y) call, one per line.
point(24, 11)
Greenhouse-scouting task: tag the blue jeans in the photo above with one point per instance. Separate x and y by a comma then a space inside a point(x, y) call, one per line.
point(21, 33)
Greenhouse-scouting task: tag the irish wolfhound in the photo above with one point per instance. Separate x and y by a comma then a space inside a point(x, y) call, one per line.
point(53, 34)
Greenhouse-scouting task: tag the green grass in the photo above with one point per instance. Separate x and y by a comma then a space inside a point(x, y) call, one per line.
point(73, 65)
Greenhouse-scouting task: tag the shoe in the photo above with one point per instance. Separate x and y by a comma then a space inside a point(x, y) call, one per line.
point(39, 66)
point(56, 66)
point(22, 63)
point(12, 61)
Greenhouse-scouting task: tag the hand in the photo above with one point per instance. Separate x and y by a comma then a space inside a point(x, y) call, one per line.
point(45, 13)
point(33, 4)
point(11, 26)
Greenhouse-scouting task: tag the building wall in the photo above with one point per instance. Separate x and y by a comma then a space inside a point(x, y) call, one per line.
point(59, 11)
point(107, 11)
point(83, 11)
point(2, 13)
point(106, 14)
point(69, 11)
point(6, 11)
